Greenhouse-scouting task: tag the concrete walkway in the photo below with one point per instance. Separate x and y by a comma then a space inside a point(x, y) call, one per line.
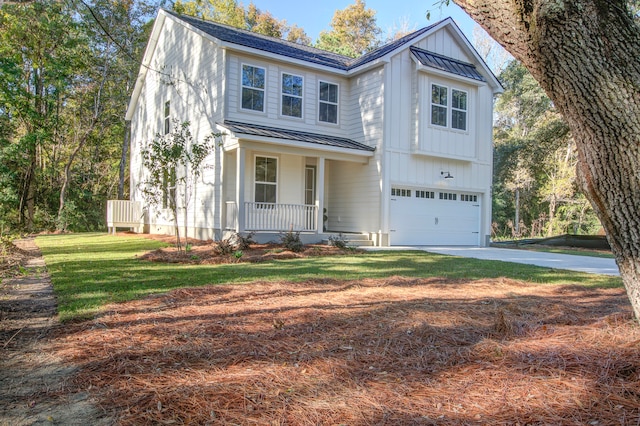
point(589, 264)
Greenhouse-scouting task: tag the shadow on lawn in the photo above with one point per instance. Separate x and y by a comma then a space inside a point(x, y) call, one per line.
point(372, 351)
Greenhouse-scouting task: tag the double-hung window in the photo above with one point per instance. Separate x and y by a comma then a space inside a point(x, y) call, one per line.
point(458, 109)
point(253, 83)
point(439, 105)
point(291, 95)
point(328, 103)
point(266, 180)
point(448, 111)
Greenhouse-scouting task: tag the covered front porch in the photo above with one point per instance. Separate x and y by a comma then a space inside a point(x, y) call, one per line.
point(276, 180)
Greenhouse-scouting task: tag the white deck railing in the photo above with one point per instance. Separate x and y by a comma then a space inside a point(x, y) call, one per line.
point(274, 217)
point(232, 215)
point(123, 213)
point(280, 217)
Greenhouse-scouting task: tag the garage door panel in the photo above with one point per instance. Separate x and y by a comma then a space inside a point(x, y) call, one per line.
point(416, 221)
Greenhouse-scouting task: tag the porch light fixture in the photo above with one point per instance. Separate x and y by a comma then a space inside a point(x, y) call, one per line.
point(446, 175)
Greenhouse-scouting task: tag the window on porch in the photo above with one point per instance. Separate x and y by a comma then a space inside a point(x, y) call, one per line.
point(266, 180)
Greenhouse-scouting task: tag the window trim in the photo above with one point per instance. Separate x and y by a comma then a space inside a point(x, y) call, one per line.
point(255, 181)
point(445, 106)
point(449, 107)
point(282, 95)
point(264, 89)
point(337, 103)
point(466, 110)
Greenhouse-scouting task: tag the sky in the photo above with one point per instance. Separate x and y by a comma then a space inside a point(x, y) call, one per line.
point(315, 16)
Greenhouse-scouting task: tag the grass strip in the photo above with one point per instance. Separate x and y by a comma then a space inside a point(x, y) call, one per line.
point(91, 270)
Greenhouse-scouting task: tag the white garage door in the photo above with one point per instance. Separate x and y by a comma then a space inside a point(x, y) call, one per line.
point(426, 217)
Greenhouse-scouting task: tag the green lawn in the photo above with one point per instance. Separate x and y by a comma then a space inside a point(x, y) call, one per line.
point(91, 270)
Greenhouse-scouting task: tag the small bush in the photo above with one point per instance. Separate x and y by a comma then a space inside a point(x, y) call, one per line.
point(222, 247)
point(291, 240)
point(338, 241)
point(243, 242)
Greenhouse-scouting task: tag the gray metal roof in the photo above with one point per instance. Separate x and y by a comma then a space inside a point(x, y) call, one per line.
point(301, 52)
point(447, 64)
point(293, 135)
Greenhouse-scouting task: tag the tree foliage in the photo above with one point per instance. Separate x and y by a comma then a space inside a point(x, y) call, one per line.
point(354, 31)
point(173, 164)
point(232, 13)
point(534, 164)
point(65, 89)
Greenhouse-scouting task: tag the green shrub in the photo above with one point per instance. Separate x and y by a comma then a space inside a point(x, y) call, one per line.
point(243, 242)
point(291, 240)
point(222, 247)
point(338, 241)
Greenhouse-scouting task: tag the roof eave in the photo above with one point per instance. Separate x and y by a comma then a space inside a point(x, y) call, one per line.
point(238, 136)
point(432, 70)
point(283, 58)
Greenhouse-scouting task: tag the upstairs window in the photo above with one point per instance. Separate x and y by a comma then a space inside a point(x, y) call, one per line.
point(291, 95)
point(253, 81)
point(458, 109)
point(266, 179)
point(448, 107)
point(439, 105)
point(328, 104)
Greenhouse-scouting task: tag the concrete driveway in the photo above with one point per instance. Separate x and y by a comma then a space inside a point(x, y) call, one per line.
point(592, 265)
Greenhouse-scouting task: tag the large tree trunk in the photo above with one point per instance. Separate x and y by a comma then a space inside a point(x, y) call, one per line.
point(584, 53)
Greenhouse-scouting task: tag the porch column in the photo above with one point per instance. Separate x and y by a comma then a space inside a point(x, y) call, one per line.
point(320, 192)
point(240, 165)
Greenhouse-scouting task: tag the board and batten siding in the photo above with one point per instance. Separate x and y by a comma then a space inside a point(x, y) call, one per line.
point(187, 70)
point(443, 43)
point(416, 152)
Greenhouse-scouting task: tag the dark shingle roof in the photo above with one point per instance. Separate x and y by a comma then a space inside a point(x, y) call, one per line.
point(445, 63)
point(301, 52)
point(293, 135)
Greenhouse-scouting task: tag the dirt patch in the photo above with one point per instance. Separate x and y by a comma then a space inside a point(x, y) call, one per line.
point(399, 351)
point(34, 381)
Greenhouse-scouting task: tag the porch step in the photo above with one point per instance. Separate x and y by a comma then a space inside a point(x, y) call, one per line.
point(352, 240)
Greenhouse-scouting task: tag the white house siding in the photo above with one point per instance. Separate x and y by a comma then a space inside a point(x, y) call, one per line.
point(186, 69)
point(290, 176)
point(273, 94)
point(442, 42)
point(417, 152)
point(353, 203)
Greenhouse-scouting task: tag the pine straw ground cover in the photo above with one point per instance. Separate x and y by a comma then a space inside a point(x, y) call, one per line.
point(395, 351)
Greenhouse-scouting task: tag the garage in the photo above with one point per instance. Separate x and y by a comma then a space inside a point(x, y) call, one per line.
point(434, 217)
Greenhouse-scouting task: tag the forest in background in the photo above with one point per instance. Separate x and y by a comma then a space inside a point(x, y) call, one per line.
point(68, 69)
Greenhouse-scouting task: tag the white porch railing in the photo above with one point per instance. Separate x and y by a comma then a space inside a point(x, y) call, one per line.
point(280, 217)
point(274, 217)
point(123, 213)
point(232, 215)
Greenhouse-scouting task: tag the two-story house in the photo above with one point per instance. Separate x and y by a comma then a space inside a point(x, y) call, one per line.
point(395, 145)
